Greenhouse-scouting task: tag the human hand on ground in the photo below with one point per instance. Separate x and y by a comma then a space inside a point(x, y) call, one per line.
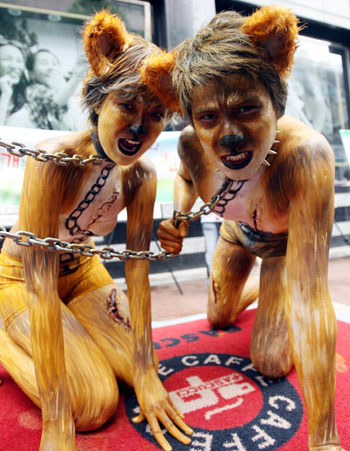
point(156, 405)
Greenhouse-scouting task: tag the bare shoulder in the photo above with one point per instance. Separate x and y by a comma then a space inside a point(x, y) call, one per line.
point(302, 143)
point(142, 168)
point(188, 141)
point(188, 133)
point(139, 177)
point(65, 141)
point(192, 155)
point(304, 163)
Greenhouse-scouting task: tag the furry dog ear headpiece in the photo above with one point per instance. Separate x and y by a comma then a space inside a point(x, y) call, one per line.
point(105, 37)
point(274, 30)
point(156, 73)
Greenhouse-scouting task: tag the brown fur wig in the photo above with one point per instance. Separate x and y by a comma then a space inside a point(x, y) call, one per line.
point(260, 47)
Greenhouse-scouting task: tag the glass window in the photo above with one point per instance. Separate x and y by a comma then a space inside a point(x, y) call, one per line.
point(42, 62)
point(317, 95)
point(136, 14)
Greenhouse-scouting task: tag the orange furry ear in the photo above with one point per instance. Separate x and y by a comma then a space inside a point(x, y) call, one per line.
point(274, 31)
point(156, 75)
point(105, 37)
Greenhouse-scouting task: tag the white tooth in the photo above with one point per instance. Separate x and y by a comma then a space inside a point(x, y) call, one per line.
point(237, 157)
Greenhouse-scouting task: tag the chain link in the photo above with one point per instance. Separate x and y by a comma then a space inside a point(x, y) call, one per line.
point(206, 208)
point(61, 158)
point(24, 238)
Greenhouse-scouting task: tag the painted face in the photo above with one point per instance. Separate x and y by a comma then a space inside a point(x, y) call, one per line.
point(11, 62)
point(127, 128)
point(45, 67)
point(236, 125)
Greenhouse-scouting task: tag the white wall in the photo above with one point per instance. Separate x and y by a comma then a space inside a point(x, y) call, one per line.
point(335, 12)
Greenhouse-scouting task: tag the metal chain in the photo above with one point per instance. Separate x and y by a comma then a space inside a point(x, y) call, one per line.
point(107, 253)
point(23, 238)
point(206, 208)
point(61, 158)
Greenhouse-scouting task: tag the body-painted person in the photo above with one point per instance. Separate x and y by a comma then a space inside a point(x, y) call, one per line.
point(68, 328)
point(231, 80)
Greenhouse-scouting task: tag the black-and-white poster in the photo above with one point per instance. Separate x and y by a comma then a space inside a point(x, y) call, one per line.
point(42, 64)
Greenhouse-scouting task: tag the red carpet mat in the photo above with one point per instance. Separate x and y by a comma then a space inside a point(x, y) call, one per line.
point(210, 377)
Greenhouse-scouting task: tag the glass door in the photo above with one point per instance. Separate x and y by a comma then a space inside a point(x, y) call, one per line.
point(317, 95)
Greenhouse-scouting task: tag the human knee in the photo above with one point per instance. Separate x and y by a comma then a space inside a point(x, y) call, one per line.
point(221, 311)
point(272, 364)
point(95, 406)
point(220, 318)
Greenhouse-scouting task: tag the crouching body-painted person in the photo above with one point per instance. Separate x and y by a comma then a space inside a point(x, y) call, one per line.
point(231, 84)
point(68, 329)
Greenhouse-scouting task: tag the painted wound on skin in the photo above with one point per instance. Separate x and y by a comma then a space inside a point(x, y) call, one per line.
point(254, 218)
point(114, 311)
point(215, 293)
point(105, 208)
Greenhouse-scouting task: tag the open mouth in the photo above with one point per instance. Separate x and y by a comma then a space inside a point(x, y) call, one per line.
point(129, 146)
point(237, 161)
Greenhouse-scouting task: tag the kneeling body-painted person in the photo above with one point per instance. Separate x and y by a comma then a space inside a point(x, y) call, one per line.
point(231, 80)
point(69, 332)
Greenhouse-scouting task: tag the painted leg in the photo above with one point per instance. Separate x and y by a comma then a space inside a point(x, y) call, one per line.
point(313, 332)
point(20, 365)
point(230, 270)
point(111, 331)
point(269, 349)
point(92, 385)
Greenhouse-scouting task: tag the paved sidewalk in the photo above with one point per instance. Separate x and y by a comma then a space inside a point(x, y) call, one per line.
point(169, 304)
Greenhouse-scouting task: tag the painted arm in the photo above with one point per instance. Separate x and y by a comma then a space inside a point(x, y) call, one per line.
point(309, 311)
point(154, 400)
point(39, 214)
point(185, 195)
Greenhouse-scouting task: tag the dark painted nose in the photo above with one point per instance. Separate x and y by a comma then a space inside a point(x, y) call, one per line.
point(138, 130)
point(231, 140)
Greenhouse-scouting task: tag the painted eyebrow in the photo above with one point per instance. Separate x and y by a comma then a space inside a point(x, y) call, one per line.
point(240, 99)
point(207, 109)
point(235, 99)
point(156, 105)
point(137, 98)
